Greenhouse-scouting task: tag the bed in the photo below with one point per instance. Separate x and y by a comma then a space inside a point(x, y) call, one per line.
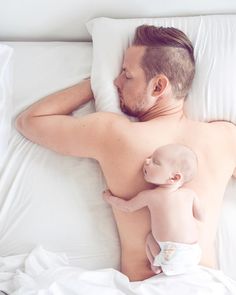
point(57, 235)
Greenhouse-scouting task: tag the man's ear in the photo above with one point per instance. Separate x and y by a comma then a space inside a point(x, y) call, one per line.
point(160, 84)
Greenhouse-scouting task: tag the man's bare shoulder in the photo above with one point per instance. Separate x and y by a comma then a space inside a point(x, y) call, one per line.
point(223, 124)
point(227, 129)
point(112, 118)
point(111, 123)
point(226, 134)
point(117, 129)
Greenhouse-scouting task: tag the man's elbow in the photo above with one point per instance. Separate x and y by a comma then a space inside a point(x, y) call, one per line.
point(19, 122)
point(22, 123)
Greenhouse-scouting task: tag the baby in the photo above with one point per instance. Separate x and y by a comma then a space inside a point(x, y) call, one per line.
point(172, 245)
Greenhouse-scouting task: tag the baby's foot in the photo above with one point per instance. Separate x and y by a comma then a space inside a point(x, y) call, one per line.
point(156, 269)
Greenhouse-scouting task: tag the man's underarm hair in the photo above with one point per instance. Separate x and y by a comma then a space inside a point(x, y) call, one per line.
point(168, 52)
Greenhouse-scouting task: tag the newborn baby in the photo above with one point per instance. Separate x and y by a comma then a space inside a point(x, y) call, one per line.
point(172, 245)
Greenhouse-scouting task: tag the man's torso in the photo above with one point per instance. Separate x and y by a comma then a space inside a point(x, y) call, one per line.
point(127, 147)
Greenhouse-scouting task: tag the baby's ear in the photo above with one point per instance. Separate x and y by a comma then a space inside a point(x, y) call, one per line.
point(176, 177)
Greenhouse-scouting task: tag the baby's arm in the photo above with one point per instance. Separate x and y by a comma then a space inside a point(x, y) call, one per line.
point(136, 203)
point(198, 211)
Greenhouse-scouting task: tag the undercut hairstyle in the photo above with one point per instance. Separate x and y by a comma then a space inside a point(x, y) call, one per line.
point(169, 52)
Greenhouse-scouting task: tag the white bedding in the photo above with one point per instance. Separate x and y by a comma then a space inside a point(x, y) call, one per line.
point(47, 198)
point(46, 273)
point(54, 201)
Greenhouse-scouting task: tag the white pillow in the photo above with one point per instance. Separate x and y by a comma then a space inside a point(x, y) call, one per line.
point(5, 96)
point(214, 39)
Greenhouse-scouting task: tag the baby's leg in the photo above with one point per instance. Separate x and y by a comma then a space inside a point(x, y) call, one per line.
point(152, 250)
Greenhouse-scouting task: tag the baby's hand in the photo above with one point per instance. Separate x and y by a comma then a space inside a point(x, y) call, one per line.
point(107, 195)
point(116, 202)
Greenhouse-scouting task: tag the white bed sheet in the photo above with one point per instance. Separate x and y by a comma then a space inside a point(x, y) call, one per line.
point(45, 198)
point(46, 273)
point(55, 201)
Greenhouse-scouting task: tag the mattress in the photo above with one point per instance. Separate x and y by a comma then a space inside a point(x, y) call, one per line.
point(51, 202)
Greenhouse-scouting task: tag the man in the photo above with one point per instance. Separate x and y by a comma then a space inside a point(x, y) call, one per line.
point(157, 73)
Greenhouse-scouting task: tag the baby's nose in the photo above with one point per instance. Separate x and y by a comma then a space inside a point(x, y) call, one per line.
point(147, 162)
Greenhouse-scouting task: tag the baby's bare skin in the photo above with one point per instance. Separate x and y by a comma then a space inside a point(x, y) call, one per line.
point(174, 210)
point(172, 213)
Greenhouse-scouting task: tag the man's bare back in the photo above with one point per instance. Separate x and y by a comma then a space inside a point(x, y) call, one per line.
point(131, 143)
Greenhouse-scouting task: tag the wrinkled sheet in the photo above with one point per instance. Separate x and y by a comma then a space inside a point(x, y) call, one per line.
point(43, 272)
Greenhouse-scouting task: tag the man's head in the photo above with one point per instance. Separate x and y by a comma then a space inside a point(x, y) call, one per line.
point(160, 63)
point(170, 164)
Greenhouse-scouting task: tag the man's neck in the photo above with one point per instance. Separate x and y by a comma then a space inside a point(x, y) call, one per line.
point(172, 108)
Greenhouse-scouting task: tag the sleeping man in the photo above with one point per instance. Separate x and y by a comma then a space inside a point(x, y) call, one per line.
point(172, 245)
point(157, 73)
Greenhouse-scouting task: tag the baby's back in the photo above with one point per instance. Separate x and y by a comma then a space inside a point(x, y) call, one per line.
point(172, 215)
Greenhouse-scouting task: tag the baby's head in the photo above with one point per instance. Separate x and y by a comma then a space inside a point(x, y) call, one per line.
point(172, 164)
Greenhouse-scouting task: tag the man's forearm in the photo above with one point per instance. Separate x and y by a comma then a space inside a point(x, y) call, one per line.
point(63, 102)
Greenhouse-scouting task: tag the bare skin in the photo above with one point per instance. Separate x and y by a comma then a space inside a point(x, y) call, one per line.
point(120, 152)
point(174, 210)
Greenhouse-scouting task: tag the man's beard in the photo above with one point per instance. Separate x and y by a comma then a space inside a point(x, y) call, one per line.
point(136, 112)
point(127, 110)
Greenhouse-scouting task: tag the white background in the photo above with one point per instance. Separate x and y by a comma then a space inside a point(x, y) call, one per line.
point(64, 20)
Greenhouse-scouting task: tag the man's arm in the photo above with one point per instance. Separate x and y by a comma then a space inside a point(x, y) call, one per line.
point(134, 204)
point(48, 123)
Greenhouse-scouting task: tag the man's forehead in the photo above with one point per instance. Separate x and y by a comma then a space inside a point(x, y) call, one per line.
point(132, 57)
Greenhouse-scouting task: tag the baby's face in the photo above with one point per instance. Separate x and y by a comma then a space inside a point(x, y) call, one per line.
point(156, 169)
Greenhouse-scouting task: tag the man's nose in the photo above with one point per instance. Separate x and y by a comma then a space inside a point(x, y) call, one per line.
point(119, 80)
point(116, 82)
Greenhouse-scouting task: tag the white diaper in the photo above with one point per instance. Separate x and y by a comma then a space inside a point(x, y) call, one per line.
point(177, 258)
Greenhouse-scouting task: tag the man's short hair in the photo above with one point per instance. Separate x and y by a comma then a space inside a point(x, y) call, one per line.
point(168, 52)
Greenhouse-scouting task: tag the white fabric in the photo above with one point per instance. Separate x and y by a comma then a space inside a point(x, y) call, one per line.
point(177, 258)
point(212, 96)
point(46, 273)
point(6, 54)
point(47, 198)
point(64, 20)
